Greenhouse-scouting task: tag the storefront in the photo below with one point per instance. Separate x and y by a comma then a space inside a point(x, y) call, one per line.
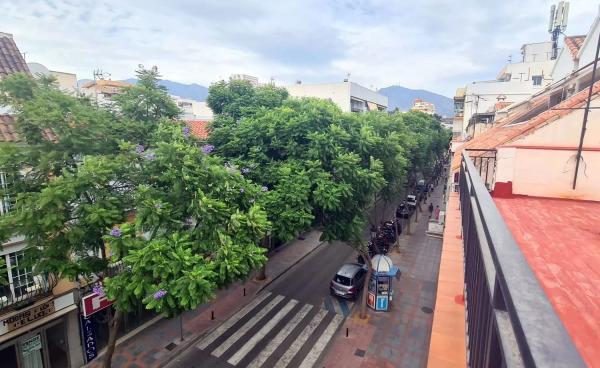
point(43, 335)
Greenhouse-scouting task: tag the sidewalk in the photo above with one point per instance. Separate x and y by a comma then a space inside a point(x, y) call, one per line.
point(156, 344)
point(400, 337)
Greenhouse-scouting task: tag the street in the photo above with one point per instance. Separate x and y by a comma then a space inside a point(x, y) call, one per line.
point(289, 324)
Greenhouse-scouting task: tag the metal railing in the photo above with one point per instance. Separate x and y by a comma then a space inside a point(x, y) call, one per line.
point(510, 320)
point(14, 296)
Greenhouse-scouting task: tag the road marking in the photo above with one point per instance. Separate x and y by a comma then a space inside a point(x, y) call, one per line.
point(251, 343)
point(248, 325)
point(346, 307)
point(300, 340)
point(336, 306)
point(312, 356)
point(278, 340)
point(209, 339)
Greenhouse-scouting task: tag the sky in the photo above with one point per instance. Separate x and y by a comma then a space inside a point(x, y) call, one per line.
point(435, 45)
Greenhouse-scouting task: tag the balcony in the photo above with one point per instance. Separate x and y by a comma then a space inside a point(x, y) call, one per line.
point(510, 320)
point(24, 291)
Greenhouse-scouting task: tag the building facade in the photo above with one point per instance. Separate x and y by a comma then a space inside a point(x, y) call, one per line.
point(423, 106)
point(67, 82)
point(348, 96)
point(192, 109)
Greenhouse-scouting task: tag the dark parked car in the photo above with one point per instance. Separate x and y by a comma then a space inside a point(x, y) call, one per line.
point(348, 281)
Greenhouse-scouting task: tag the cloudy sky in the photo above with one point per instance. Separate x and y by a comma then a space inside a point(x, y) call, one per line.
point(430, 44)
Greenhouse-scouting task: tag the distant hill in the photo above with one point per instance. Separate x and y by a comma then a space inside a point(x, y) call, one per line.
point(192, 91)
point(403, 98)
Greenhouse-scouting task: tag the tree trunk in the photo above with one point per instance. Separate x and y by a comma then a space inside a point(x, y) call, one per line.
point(262, 274)
point(112, 339)
point(363, 304)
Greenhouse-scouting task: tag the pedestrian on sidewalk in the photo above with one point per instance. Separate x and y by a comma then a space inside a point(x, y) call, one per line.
point(430, 209)
point(436, 213)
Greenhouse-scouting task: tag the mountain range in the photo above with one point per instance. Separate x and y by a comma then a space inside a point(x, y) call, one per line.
point(403, 98)
point(398, 96)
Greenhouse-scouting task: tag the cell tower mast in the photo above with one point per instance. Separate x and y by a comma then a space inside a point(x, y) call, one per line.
point(557, 24)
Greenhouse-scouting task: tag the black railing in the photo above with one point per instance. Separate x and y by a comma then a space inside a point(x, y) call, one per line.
point(510, 321)
point(17, 295)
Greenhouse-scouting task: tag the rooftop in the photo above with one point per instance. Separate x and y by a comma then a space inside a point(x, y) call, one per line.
point(8, 131)
point(560, 240)
point(11, 59)
point(198, 128)
point(573, 43)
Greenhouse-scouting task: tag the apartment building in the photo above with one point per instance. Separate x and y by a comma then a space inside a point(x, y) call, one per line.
point(348, 96)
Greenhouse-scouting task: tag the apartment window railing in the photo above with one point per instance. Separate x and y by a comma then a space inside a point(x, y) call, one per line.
point(510, 321)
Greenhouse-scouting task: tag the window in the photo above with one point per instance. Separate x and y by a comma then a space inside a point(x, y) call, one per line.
point(5, 203)
point(21, 279)
point(537, 80)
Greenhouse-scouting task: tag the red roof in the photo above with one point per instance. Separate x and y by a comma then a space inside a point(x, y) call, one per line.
point(8, 131)
point(198, 128)
point(561, 242)
point(501, 104)
point(11, 60)
point(573, 43)
point(505, 130)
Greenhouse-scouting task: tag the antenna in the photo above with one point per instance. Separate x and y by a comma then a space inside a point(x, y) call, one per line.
point(559, 16)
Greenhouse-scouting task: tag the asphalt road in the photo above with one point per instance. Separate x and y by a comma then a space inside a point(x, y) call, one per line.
point(289, 324)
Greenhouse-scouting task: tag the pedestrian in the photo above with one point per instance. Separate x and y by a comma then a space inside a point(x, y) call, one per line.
point(430, 209)
point(373, 232)
point(436, 213)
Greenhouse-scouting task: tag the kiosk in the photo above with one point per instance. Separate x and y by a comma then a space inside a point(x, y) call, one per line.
point(380, 284)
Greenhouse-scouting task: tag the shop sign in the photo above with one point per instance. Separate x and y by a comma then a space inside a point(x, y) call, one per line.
point(88, 332)
point(26, 317)
point(93, 303)
point(31, 345)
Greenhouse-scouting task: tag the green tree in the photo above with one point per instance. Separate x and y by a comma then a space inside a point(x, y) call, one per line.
point(197, 219)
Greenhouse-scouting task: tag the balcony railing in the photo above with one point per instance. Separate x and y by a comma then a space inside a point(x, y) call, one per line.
point(510, 321)
point(15, 295)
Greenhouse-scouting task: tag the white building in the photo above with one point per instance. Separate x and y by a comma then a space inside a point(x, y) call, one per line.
point(349, 96)
point(245, 77)
point(423, 106)
point(67, 82)
point(516, 82)
point(192, 109)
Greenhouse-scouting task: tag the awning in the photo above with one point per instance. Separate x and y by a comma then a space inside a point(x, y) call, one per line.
point(372, 106)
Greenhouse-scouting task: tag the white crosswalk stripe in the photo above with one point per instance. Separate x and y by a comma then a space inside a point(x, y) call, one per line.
point(300, 340)
point(312, 356)
point(209, 339)
point(278, 340)
point(293, 325)
point(248, 325)
point(251, 343)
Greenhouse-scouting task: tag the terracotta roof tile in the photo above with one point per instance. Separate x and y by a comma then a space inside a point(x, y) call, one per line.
point(198, 128)
point(8, 132)
point(573, 43)
point(505, 130)
point(502, 104)
point(11, 60)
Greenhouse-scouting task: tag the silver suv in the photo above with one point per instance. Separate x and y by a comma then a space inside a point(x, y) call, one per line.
point(348, 281)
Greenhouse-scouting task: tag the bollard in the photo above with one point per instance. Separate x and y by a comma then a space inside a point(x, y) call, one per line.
point(212, 315)
point(244, 291)
point(346, 331)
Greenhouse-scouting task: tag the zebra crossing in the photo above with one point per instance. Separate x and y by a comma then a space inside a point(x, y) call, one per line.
point(274, 331)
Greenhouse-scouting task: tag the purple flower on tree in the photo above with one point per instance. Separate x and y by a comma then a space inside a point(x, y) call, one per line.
point(98, 289)
point(150, 156)
point(116, 232)
point(158, 206)
point(139, 148)
point(207, 148)
point(160, 294)
point(241, 190)
point(245, 170)
point(186, 131)
point(264, 188)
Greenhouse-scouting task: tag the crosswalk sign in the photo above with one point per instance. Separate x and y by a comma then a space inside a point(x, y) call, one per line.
point(382, 303)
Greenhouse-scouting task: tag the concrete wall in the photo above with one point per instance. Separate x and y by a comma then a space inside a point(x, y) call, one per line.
point(539, 51)
point(66, 81)
point(543, 163)
point(363, 93)
point(74, 338)
point(564, 65)
point(338, 93)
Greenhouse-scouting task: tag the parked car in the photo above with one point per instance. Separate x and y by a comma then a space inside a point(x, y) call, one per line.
point(348, 281)
point(411, 201)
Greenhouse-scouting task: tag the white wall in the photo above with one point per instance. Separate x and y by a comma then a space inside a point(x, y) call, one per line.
point(539, 51)
point(564, 65)
point(363, 93)
point(338, 93)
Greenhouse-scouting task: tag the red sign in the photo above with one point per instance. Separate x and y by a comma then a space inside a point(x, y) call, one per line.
point(94, 303)
point(371, 300)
